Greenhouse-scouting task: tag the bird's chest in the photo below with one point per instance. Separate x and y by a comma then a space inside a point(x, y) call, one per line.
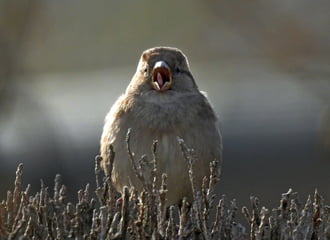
point(162, 117)
point(169, 157)
point(168, 153)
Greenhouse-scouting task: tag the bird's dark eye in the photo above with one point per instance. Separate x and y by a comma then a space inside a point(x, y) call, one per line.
point(177, 70)
point(145, 70)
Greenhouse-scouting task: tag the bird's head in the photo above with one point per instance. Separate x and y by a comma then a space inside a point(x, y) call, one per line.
point(162, 70)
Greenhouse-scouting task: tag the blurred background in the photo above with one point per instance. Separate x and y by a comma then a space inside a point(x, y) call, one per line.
point(264, 64)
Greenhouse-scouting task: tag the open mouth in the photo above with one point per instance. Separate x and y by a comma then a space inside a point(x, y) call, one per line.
point(161, 76)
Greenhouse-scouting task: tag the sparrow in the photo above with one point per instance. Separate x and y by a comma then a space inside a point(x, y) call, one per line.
point(162, 102)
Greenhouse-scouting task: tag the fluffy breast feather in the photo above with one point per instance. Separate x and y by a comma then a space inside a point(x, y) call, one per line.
point(190, 117)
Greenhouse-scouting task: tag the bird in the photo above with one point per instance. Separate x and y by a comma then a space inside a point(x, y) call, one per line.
point(162, 102)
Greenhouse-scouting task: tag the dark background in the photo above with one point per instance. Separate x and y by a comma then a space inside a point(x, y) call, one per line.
point(264, 64)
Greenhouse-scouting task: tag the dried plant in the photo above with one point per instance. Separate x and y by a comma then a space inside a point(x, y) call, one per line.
point(134, 215)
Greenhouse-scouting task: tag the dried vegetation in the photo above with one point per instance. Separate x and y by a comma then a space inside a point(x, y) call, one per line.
point(145, 215)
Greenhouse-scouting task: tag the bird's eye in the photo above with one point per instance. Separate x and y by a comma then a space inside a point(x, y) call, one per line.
point(145, 70)
point(177, 70)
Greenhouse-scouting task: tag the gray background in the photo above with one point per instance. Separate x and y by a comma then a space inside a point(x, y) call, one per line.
point(264, 64)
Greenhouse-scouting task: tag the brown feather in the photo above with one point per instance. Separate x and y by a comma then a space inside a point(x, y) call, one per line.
point(182, 111)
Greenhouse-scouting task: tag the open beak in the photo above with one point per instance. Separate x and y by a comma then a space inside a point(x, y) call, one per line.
point(161, 79)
